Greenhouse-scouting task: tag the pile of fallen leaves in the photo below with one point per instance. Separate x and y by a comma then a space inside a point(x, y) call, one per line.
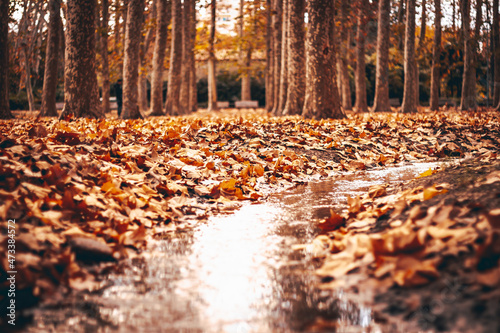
point(389, 239)
point(84, 191)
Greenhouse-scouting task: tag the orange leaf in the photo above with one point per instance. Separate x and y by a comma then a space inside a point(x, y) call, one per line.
point(335, 221)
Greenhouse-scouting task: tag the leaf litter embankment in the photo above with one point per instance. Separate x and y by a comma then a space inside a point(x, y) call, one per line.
point(87, 192)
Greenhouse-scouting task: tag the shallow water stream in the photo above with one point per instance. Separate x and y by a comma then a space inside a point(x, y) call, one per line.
point(235, 273)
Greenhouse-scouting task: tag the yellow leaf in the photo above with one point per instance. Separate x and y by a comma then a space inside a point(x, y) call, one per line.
point(427, 173)
point(431, 192)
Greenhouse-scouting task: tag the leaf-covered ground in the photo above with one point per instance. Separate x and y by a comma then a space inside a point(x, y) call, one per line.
point(93, 191)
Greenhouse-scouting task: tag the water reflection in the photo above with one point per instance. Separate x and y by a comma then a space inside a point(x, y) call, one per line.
point(235, 273)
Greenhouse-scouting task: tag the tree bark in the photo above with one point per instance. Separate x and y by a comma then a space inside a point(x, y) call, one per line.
point(381, 102)
point(81, 97)
point(345, 85)
point(159, 57)
point(284, 60)
point(143, 79)
point(186, 56)
point(131, 62)
point(48, 108)
point(212, 79)
point(277, 26)
point(468, 100)
point(269, 59)
point(4, 61)
point(436, 54)
point(172, 106)
point(361, 103)
point(193, 90)
point(104, 57)
point(409, 94)
point(296, 59)
point(322, 99)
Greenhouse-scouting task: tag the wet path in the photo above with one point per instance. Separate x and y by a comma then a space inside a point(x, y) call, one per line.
point(236, 273)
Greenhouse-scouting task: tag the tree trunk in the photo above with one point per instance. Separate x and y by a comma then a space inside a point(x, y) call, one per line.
point(436, 54)
point(283, 85)
point(163, 18)
point(131, 62)
point(116, 28)
point(193, 90)
point(143, 79)
point(468, 100)
point(245, 57)
point(212, 80)
point(296, 59)
point(269, 59)
point(27, 73)
point(4, 60)
point(401, 24)
point(381, 102)
point(48, 108)
point(277, 26)
point(496, 54)
point(322, 99)
point(81, 97)
point(104, 57)
point(475, 49)
point(345, 85)
point(186, 56)
point(409, 94)
point(422, 26)
point(361, 104)
point(172, 106)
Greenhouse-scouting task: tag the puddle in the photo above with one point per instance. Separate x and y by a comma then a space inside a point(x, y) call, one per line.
point(235, 273)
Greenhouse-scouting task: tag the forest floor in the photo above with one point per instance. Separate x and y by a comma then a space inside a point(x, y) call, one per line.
point(85, 194)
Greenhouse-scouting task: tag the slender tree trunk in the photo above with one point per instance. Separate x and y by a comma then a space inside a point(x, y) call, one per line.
point(4, 60)
point(123, 32)
point(27, 73)
point(475, 51)
point(381, 102)
point(284, 60)
point(186, 56)
point(163, 17)
point(245, 57)
point(468, 100)
point(81, 97)
point(436, 54)
point(401, 24)
point(172, 106)
point(296, 59)
point(131, 62)
point(48, 108)
point(344, 49)
point(212, 80)
point(322, 99)
point(409, 94)
point(143, 78)
point(423, 25)
point(116, 28)
point(496, 54)
point(277, 26)
point(269, 59)
point(361, 103)
point(104, 57)
point(193, 90)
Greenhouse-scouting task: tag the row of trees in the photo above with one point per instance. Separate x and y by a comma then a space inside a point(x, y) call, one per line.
point(307, 63)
